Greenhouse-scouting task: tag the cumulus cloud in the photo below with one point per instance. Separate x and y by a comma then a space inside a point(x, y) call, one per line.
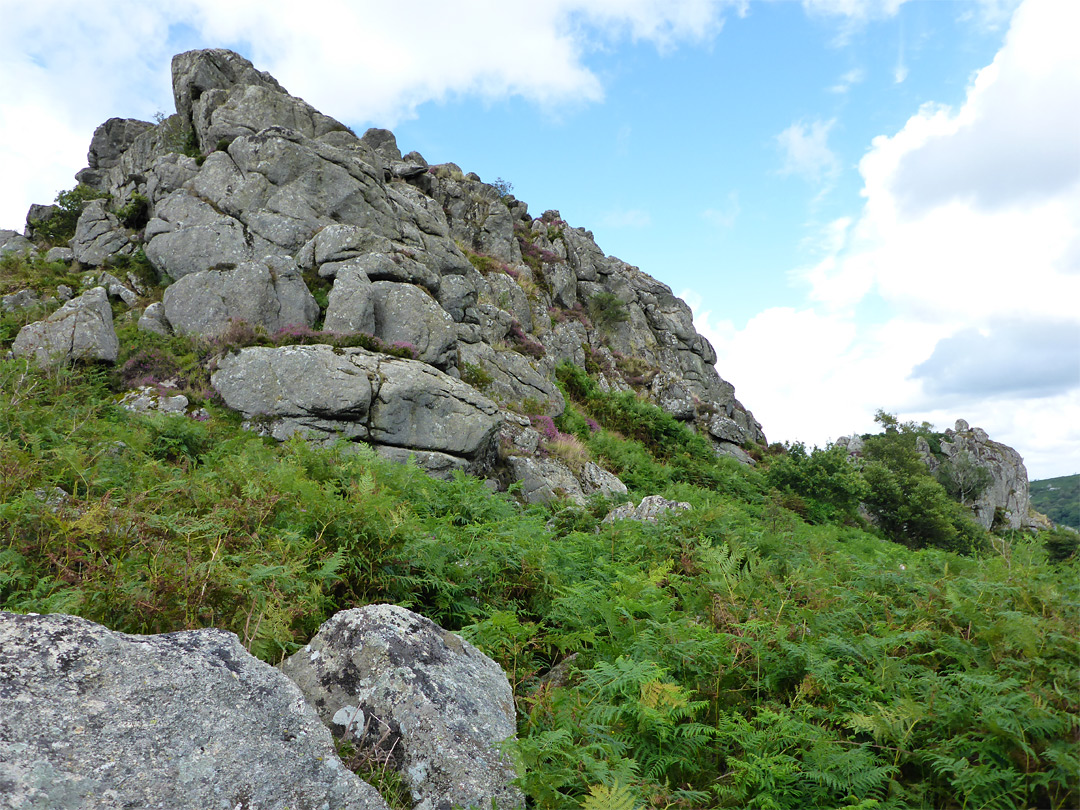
point(66, 66)
point(632, 218)
point(848, 80)
point(806, 151)
point(1028, 358)
point(724, 216)
point(968, 245)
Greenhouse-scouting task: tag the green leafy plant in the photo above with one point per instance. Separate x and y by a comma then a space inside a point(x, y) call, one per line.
point(59, 227)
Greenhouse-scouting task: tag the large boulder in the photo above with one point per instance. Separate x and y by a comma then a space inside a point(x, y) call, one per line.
point(108, 144)
point(407, 315)
point(82, 329)
point(14, 242)
point(188, 235)
point(93, 718)
point(99, 235)
point(270, 294)
point(354, 393)
point(440, 706)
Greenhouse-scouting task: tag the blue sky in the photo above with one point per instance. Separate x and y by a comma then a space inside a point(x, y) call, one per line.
point(869, 203)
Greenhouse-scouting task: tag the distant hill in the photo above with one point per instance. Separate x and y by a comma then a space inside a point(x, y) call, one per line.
point(1058, 499)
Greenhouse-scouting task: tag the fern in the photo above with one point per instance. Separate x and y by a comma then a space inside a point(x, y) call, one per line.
point(616, 797)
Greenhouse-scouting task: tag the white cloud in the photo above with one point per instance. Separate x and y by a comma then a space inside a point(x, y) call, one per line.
point(66, 66)
point(848, 80)
point(631, 218)
point(806, 150)
point(725, 215)
point(968, 241)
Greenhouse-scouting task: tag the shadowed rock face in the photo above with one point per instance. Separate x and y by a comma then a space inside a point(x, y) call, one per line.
point(432, 703)
point(93, 718)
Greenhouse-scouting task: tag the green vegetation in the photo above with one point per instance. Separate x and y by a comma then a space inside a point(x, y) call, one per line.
point(60, 226)
point(607, 311)
point(1058, 499)
point(769, 648)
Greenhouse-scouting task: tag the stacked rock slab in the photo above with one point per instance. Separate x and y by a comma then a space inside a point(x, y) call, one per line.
point(93, 718)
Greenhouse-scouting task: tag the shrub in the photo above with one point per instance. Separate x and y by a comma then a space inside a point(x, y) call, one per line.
point(60, 226)
point(830, 484)
point(607, 311)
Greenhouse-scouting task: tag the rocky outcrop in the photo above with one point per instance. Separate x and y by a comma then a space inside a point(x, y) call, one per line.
point(93, 718)
point(420, 697)
point(1006, 497)
point(254, 201)
point(82, 329)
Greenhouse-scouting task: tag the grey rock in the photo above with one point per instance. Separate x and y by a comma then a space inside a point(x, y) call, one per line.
point(35, 215)
point(514, 377)
point(149, 398)
point(458, 294)
point(437, 465)
point(82, 329)
point(407, 315)
point(14, 242)
point(651, 508)
point(337, 243)
point(93, 718)
point(64, 292)
point(351, 306)
point(153, 320)
point(544, 480)
point(420, 407)
point(99, 235)
point(116, 289)
point(206, 303)
point(383, 142)
point(1008, 490)
point(444, 705)
point(112, 139)
point(23, 299)
point(726, 429)
point(222, 96)
point(60, 254)
point(188, 236)
point(354, 393)
point(596, 480)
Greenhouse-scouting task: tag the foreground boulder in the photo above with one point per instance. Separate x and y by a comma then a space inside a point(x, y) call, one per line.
point(82, 329)
point(434, 705)
point(93, 718)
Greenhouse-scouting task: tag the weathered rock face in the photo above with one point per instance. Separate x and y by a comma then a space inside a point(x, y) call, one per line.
point(385, 676)
point(1008, 489)
point(270, 294)
point(93, 718)
point(82, 329)
point(355, 393)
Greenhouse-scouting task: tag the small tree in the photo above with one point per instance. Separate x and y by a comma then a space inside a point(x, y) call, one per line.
point(964, 478)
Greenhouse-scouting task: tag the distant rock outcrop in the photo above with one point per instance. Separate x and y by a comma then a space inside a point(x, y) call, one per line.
point(93, 718)
point(259, 208)
point(1005, 498)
